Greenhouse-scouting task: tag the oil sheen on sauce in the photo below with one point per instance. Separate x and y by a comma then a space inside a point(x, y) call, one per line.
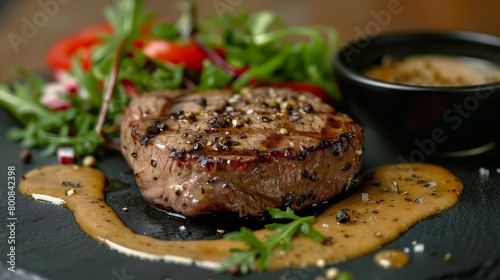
point(388, 201)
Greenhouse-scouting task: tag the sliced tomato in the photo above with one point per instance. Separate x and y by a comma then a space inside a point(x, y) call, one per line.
point(190, 53)
point(318, 91)
point(60, 54)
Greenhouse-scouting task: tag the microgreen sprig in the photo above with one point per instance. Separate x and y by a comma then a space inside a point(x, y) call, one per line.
point(260, 252)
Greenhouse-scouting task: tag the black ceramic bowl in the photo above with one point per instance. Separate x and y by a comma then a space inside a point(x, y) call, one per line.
point(426, 120)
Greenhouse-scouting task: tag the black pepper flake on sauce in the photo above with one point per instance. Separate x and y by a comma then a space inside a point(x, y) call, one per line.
point(134, 154)
point(153, 162)
point(327, 241)
point(265, 119)
point(66, 183)
point(343, 217)
point(177, 192)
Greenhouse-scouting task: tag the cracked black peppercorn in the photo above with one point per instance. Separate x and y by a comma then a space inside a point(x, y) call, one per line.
point(308, 108)
point(201, 102)
point(343, 217)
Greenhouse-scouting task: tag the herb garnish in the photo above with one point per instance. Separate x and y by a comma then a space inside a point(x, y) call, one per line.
point(258, 49)
point(260, 252)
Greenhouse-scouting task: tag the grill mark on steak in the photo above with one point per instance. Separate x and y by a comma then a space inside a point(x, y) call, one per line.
point(258, 143)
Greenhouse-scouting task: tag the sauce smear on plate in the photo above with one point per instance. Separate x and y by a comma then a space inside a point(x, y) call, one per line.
point(387, 201)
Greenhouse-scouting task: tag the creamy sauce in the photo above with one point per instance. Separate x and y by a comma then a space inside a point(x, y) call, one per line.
point(388, 201)
point(391, 258)
point(435, 70)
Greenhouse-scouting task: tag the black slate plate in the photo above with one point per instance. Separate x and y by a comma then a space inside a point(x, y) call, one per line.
point(49, 244)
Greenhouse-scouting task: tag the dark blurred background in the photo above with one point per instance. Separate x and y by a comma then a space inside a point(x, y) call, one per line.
point(352, 19)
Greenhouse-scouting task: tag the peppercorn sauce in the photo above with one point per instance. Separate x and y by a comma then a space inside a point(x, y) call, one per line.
point(386, 202)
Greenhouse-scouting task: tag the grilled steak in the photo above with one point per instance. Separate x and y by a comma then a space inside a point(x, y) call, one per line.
point(199, 152)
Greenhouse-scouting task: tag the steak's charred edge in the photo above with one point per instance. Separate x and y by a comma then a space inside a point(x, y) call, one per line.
point(335, 147)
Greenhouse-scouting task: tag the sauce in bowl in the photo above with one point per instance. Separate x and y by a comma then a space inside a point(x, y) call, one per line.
point(435, 71)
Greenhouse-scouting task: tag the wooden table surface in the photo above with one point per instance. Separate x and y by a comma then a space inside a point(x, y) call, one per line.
point(52, 19)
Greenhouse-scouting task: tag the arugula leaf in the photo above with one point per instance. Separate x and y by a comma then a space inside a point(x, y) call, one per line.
point(260, 252)
point(43, 127)
point(254, 40)
point(213, 76)
point(165, 30)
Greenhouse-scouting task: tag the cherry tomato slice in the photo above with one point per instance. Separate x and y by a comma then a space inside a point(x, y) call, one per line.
point(60, 54)
point(190, 53)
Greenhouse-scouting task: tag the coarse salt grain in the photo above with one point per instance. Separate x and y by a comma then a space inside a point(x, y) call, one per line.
point(484, 172)
point(89, 161)
point(431, 184)
point(182, 228)
point(498, 170)
point(365, 197)
point(418, 248)
point(321, 263)
point(332, 273)
point(406, 250)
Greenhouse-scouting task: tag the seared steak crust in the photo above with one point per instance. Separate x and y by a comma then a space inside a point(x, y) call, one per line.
point(198, 152)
